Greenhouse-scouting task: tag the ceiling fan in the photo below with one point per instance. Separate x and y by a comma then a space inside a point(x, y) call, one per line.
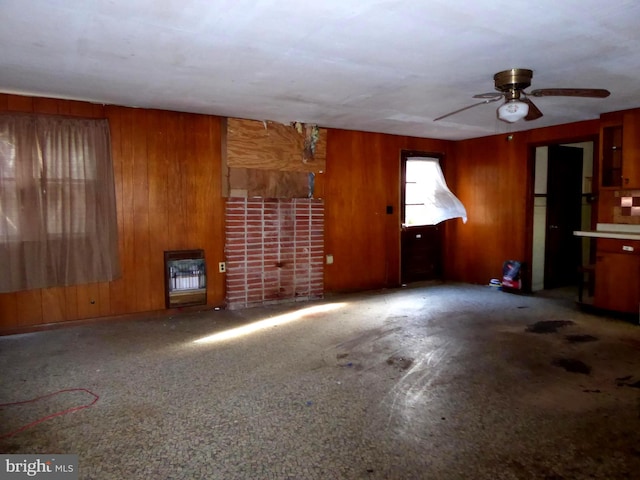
point(510, 84)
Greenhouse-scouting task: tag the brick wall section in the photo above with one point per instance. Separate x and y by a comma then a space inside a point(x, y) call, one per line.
point(274, 250)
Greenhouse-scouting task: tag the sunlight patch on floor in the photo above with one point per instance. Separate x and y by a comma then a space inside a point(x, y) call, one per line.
point(268, 323)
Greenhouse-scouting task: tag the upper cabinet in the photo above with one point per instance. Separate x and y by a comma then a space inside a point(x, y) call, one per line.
point(620, 150)
point(611, 156)
point(631, 149)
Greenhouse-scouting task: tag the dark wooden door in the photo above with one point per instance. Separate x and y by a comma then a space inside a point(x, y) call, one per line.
point(564, 200)
point(421, 253)
point(421, 245)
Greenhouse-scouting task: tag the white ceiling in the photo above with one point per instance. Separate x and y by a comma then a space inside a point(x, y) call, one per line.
point(374, 65)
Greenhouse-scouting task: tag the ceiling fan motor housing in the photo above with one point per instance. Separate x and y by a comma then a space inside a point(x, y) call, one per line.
point(513, 81)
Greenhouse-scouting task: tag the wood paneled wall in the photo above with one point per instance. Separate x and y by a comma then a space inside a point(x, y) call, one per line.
point(167, 169)
point(362, 178)
point(493, 177)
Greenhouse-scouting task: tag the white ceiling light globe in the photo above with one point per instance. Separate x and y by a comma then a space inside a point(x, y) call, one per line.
point(513, 110)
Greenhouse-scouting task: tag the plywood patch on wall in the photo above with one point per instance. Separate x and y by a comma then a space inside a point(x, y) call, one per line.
point(253, 182)
point(272, 146)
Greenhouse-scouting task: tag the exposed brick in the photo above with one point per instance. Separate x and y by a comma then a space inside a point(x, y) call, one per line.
point(236, 275)
point(236, 299)
point(274, 250)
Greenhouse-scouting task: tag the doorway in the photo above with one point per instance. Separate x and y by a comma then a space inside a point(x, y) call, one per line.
point(563, 182)
point(564, 195)
point(420, 244)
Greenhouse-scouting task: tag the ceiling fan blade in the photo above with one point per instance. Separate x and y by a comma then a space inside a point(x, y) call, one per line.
point(571, 92)
point(534, 112)
point(489, 100)
point(488, 95)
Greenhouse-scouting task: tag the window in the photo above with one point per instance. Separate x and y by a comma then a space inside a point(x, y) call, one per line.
point(427, 199)
point(57, 202)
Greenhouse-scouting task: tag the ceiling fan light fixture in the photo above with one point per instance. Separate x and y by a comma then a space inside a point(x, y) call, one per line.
point(513, 110)
point(511, 84)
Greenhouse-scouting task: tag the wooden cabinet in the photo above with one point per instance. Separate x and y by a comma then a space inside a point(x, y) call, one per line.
point(617, 276)
point(611, 156)
point(620, 150)
point(631, 149)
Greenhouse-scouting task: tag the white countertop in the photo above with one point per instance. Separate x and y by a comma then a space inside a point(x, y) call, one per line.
point(601, 234)
point(612, 230)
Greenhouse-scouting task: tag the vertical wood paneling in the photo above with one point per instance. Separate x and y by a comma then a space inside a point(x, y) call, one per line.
point(495, 207)
point(124, 289)
point(117, 295)
point(192, 183)
point(128, 232)
point(175, 186)
point(177, 203)
point(29, 308)
point(562, 133)
point(140, 219)
point(8, 310)
point(492, 177)
point(88, 298)
point(214, 216)
point(16, 103)
point(54, 303)
point(167, 170)
point(104, 299)
point(362, 178)
point(71, 299)
point(201, 180)
point(80, 109)
point(46, 105)
point(158, 204)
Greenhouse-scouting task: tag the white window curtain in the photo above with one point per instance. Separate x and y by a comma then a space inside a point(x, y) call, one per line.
point(428, 200)
point(58, 221)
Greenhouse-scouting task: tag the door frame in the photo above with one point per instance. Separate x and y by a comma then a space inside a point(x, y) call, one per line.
point(404, 155)
point(530, 199)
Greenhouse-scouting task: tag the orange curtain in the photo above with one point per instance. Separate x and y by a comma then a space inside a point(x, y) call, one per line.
point(58, 222)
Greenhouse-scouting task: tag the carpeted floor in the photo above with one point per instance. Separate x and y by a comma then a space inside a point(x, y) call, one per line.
point(433, 381)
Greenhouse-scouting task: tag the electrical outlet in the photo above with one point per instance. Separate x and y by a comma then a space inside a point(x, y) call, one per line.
point(222, 267)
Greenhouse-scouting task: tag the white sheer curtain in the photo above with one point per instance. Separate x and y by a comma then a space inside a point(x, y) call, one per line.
point(428, 200)
point(58, 221)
